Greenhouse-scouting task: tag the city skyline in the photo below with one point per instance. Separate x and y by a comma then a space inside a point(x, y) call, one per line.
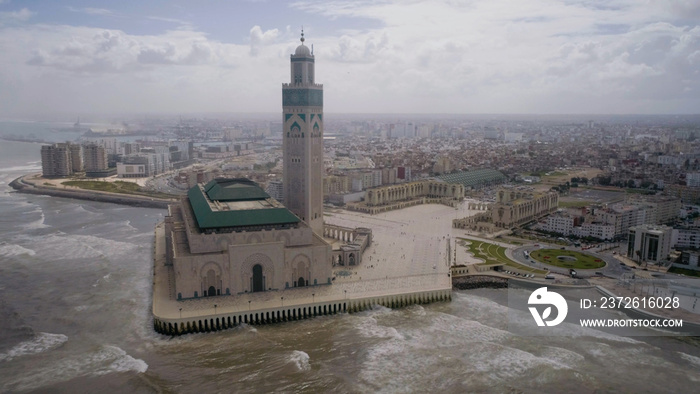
point(544, 57)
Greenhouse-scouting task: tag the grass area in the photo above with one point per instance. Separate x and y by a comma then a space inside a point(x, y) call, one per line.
point(557, 173)
point(576, 260)
point(493, 254)
point(684, 271)
point(115, 187)
point(573, 204)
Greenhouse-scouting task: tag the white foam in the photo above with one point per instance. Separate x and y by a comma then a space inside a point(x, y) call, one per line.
point(107, 359)
point(695, 361)
point(9, 250)
point(300, 359)
point(42, 342)
point(121, 362)
point(82, 246)
point(39, 223)
point(20, 168)
point(369, 328)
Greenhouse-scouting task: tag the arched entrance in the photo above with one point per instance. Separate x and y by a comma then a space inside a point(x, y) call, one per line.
point(211, 291)
point(258, 284)
point(301, 282)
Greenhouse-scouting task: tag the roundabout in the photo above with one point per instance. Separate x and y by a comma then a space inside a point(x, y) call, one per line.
point(567, 259)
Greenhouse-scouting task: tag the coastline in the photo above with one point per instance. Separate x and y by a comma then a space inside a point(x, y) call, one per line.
point(21, 185)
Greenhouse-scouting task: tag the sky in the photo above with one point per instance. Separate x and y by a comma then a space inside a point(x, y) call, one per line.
point(392, 56)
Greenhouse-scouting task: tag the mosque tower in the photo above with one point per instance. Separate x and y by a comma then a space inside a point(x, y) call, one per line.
point(302, 107)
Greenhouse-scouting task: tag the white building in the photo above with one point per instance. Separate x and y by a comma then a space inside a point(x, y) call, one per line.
point(686, 238)
point(598, 230)
point(561, 224)
point(692, 179)
point(276, 190)
point(649, 243)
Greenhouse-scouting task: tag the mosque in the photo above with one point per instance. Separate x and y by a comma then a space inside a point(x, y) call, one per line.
point(230, 246)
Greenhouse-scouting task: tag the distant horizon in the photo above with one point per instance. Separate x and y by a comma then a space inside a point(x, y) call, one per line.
point(116, 117)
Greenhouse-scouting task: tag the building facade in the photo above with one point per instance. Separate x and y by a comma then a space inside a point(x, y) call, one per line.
point(302, 139)
point(56, 160)
point(230, 237)
point(649, 243)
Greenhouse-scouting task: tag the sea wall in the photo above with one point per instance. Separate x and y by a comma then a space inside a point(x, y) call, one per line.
point(132, 200)
point(293, 312)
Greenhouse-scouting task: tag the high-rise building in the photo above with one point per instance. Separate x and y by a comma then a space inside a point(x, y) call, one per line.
point(76, 157)
point(56, 160)
point(276, 190)
point(95, 158)
point(302, 107)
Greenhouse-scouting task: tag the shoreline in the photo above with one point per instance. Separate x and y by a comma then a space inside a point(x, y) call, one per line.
point(21, 185)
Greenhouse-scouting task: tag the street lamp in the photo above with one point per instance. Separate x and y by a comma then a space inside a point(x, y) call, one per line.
point(313, 297)
point(346, 294)
point(249, 305)
point(215, 309)
point(180, 313)
point(282, 298)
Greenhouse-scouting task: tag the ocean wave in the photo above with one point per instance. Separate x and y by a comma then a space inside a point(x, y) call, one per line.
point(107, 359)
point(42, 342)
point(20, 168)
point(80, 246)
point(37, 224)
point(300, 359)
point(114, 359)
point(9, 250)
point(695, 361)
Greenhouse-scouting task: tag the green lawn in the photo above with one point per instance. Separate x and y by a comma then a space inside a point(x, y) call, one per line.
point(683, 271)
point(494, 254)
point(582, 260)
point(115, 187)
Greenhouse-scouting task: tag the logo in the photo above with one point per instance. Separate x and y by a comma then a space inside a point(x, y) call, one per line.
point(543, 297)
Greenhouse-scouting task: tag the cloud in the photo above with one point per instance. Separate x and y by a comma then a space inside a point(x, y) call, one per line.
point(493, 56)
point(16, 16)
point(92, 11)
point(260, 38)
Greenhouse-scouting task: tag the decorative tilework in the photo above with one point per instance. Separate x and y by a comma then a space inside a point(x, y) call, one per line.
point(302, 97)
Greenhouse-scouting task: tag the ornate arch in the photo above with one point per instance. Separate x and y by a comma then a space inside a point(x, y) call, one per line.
point(246, 273)
point(301, 268)
point(210, 275)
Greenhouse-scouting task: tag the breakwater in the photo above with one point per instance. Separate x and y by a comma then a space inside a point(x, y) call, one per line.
point(20, 185)
point(479, 282)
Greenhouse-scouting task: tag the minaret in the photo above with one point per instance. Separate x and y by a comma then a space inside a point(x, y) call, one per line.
point(302, 107)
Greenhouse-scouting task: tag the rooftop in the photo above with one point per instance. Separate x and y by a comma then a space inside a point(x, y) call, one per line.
point(474, 177)
point(227, 203)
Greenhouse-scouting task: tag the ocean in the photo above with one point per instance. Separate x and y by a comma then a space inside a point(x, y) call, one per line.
point(75, 299)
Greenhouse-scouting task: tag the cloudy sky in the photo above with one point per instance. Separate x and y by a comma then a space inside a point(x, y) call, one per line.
point(393, 56)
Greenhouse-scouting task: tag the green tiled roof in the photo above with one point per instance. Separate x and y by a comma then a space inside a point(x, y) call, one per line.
point(475, 177)
point(239, 189)
point(208, 219)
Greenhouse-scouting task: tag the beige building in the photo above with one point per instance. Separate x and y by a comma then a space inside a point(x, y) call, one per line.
point(513, 208)
point(229, 237)
point(94, 158)
point(386, 198)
